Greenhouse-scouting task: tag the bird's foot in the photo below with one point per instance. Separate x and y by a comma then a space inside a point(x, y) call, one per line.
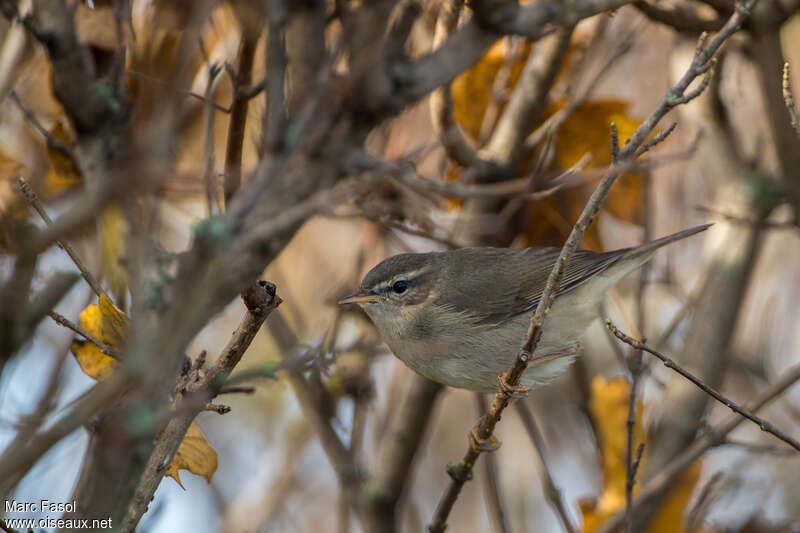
point(483, 445)
point(515, 392)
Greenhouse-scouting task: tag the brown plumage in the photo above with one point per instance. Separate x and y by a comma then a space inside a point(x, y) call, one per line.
point(460, 316)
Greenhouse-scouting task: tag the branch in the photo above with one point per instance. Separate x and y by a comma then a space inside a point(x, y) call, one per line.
point(15, 461)
point(450, 134)
point(32, 199)
point(506, 146)
point(681, 17)
point(669, 363)
point(274, 118)
point(238, 119)
point(391, 473)
point(260, 299)
point(788, 99)
point(494, 502)
point(468, 43)
point(551, 491)
point(714, 437)
point(482, 439)
point(63, 321)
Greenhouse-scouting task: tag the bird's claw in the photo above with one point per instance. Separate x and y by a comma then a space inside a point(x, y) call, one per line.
point(515, 392)
point(483, 445)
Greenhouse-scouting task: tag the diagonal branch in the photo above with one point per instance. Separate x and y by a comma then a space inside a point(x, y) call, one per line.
point(764, 425)
point(260, 300)
point(667, 475)
point(510, 379)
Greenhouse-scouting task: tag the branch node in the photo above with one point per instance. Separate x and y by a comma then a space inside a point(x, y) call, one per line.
point(459, 473)
point(490, 444)
point(514, 392)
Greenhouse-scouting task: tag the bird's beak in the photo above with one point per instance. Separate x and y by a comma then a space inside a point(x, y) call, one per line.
point(361, 298)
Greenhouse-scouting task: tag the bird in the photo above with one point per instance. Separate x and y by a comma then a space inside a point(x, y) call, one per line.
point(459, 317)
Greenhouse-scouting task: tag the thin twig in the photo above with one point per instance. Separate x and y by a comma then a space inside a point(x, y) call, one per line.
point(656, 140)
point(238, 120)
point(212, 207)
point(553, 123)
point(635, 361)
point(551, 490)
point(52, 141)
point(788, 99)
point(717, 435)
point(494, 502)
point(669, 363)
point(64, 321)
point(260, 299)
point(481, 437)
point(33, 199)
point(199, 97)
point(450, 134)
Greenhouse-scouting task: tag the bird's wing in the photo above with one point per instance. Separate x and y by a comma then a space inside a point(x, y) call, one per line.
point(514, 282)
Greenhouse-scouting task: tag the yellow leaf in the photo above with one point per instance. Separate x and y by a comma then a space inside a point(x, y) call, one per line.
point(64, 173)
point(669, 518)
point(609, 409)
point(92, 360)
point(108, 324)
point(471, 91)
point(194, 454)
point(586, 131)
point(112, 245)
point(114, 323)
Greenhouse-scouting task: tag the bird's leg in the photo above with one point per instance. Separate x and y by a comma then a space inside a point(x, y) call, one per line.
point(482, 445)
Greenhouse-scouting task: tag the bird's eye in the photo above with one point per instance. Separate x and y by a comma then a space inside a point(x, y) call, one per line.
point(400, 286)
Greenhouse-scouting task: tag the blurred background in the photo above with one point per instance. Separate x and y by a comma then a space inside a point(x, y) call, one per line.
point(724, 303)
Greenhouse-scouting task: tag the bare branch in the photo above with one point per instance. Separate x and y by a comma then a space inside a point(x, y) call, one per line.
point(260, 300)
point(682, 17)
point(494, 502)
point(551, 491)
point(788, 99)
point(669, 363)
point(32, 199)
point(274, 119)
point(238, 118)
point(450, 135)
point(64, 321)
point(717, 435)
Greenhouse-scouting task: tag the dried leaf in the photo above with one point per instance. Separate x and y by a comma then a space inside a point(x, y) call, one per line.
point(471, 91)
point(112, 229)
point(63, 173)
point(587, 130)
point(194, 454)
point(110, 325)
point(609, 409)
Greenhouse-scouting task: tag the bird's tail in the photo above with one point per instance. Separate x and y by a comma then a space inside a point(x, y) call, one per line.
point(646, 250)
